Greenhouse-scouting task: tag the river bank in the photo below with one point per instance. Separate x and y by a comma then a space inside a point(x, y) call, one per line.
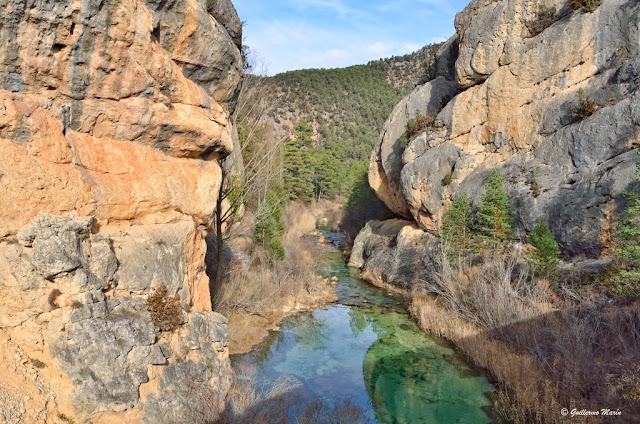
point(265, 293)
point(366, 348)
point(572, 347)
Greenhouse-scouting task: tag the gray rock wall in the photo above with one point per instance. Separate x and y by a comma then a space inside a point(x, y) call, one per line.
point(84, 297)
point(513, 109)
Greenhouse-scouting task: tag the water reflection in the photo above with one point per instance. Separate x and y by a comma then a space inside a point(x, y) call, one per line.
point(374, 355)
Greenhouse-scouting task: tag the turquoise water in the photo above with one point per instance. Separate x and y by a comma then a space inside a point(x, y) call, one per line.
point(366, 349)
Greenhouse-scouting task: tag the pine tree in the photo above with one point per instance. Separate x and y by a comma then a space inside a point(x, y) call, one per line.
point(494, 221)
point(544, 259)
point(298, 163)
point(457, 223)
point(269, 225)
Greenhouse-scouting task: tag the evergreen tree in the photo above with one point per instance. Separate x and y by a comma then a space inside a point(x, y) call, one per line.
point(298, 163)
point(627, 282)
point(494, 221)
point(544, 259)
point(457, 223)
point(362, 204)
point(269, 225)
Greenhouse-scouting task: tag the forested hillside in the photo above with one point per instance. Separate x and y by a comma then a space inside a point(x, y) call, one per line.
point(340, 113)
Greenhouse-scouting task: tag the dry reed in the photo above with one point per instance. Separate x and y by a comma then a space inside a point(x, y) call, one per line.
point(580, 353)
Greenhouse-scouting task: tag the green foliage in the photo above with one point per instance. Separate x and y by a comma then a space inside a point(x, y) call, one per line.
point(585, 106)
point(447, 179)
point(457, 223)
point(363, 204)
point(627, 282)
point(544, 259)
point(493, 217)
point(586, 5)
point(415, 125)
point(269, 224)
point(532, 181)
point(421, 121)
point(299, 163)
point(347, 108)
point(164, 310)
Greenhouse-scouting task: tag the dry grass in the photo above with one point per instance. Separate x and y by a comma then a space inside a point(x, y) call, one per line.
point(259, 285)
point(580, 353)
point(245, 402)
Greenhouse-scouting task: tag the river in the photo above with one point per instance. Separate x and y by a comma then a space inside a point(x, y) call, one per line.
point(365, 348)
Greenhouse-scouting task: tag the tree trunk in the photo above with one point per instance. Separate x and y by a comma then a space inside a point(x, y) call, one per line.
point(217, 282)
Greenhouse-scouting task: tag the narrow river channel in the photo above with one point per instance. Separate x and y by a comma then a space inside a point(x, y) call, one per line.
point(366, 348)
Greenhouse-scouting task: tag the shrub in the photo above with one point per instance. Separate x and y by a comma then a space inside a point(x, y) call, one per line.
point(38, 363)
point(627, 281)
point(532, 182)
point(544, 259)
point(165, 311)
point(53, 298)
point(585, 106)
point(586, 5)
point(414, 126)
point(494, 220)
point(269, 225)
point(447, 179)
point(211, 5)
point(544, 18)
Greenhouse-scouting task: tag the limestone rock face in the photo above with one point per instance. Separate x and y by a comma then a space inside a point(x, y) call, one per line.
point(515, 111)
point(386, 159)
point(84, 305)
point(393, 253)
point(115, 111)
point(113, 115)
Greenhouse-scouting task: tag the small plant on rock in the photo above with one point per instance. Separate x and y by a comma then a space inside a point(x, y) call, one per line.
point(447, 179)
point(165, 311)
point(585, 106)
point(53, 298)
point(544, 19)
point(38, 363)
point(211, 5)
point(586, 5)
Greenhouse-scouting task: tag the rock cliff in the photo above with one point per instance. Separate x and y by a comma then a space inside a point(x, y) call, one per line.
point(504, 95)
point(114, 115)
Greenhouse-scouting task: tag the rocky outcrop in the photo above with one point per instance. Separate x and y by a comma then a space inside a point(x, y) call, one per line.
point(80, 299)
point(117, 111)
point(515, 111)
point(114, 116)
point(393, 253)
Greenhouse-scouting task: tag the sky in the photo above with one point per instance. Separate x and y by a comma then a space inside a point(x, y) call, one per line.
point(298, 34)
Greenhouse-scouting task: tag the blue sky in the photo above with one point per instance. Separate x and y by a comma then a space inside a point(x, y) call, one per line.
point(298, 34)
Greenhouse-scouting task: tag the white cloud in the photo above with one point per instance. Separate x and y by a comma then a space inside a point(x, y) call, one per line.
point(331, 33)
